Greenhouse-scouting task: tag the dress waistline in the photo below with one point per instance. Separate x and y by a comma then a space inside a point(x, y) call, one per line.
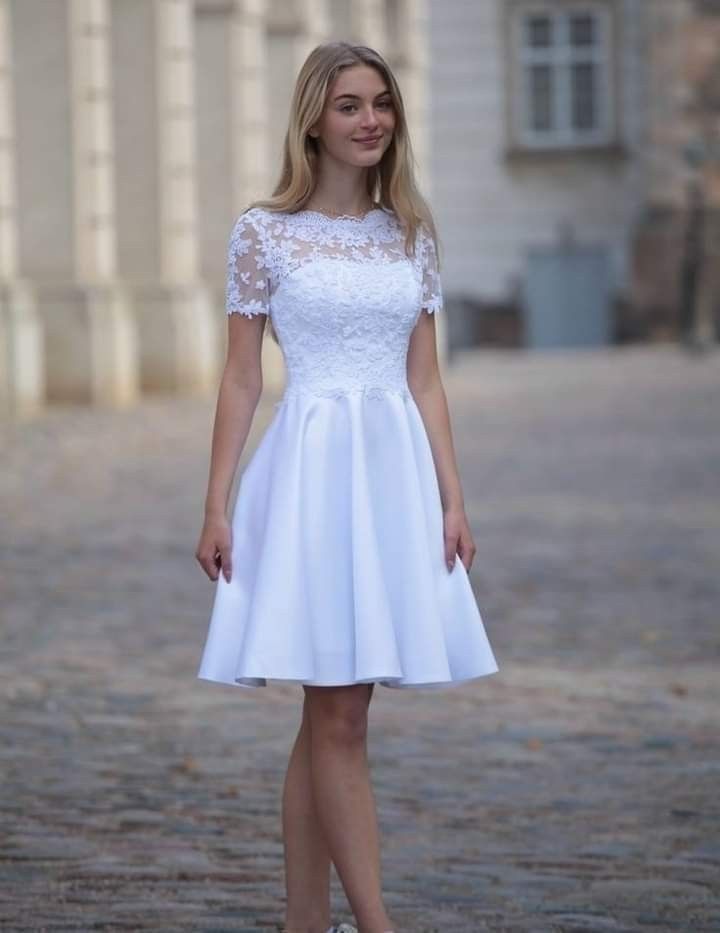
point(369, 391)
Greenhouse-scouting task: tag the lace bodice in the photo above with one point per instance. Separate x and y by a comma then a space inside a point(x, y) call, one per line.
point(341, 292)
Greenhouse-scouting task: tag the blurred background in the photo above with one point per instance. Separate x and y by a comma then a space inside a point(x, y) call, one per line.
point(570, 151)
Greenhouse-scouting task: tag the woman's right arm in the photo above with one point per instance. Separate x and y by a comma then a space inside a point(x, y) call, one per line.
point(247, 302)
point(240, 390)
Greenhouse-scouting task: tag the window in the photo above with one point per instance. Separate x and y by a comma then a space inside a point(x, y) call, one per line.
point(562, 74)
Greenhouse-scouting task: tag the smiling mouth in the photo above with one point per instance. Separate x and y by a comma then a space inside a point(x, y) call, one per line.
point(372, 139)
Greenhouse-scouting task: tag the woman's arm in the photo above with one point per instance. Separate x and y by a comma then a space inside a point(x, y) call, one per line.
point(239, 394)
point(427, 389)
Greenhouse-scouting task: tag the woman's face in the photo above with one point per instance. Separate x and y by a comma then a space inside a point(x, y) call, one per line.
point(359, 106)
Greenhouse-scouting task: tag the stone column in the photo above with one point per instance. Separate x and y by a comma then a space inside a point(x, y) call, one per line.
point(155, 119)
point(181, 350)
point(66, 217)
point(250, 101)
point(108, 353)
point(367, 24)
point(22, 371)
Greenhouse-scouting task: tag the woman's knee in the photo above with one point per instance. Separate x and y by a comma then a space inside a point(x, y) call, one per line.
point(338, 714)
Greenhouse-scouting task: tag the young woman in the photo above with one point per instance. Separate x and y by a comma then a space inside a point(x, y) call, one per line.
point(346, 560)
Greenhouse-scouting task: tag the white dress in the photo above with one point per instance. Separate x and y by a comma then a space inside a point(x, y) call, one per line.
point(338, 566)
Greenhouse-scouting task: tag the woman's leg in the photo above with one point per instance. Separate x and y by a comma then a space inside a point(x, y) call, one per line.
point(344, 800)
point(307, 860)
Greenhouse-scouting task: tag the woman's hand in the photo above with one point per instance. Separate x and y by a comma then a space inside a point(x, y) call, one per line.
point(215, 546)
point(458, 538)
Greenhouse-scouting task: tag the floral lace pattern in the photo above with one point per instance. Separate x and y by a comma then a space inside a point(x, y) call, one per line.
point(342, 293)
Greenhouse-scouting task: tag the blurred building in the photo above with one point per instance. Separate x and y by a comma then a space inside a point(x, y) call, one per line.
point(566, 136)
point(569, 149)
point(132, 133)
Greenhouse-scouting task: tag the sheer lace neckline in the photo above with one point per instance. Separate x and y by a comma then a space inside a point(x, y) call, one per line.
point(268, 246)
point(370, 215)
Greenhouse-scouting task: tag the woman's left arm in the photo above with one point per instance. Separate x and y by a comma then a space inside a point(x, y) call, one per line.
point(428, 391)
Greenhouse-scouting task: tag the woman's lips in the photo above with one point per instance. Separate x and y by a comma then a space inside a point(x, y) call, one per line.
point(369, 142)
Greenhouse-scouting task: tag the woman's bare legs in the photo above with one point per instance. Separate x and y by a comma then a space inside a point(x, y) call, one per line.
point(307, 859)
point(344, 801)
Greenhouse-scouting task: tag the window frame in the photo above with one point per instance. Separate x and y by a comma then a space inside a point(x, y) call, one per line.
point(560, 56)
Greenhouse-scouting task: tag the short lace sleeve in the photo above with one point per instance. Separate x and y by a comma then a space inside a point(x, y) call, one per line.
point(247, 291)
point(432, 299)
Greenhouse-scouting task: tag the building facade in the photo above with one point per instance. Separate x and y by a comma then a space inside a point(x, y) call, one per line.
point(569, 148)
point(133, 133)
point(559, 139)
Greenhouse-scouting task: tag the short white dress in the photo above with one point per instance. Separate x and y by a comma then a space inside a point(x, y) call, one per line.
point(338, 565)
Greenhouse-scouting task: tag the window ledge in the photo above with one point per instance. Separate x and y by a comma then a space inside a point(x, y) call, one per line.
point(603, 152)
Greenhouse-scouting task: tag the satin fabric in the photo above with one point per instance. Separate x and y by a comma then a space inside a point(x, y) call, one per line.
point(339, 573)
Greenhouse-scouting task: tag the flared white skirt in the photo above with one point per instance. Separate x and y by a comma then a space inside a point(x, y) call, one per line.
point(338, 566)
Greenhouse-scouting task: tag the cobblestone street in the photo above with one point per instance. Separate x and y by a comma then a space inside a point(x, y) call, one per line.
point(575, 790)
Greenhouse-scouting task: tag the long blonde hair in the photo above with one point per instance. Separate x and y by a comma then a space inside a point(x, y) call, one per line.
point(390, 183)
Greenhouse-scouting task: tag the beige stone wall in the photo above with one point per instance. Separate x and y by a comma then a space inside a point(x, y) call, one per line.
point(22, 363)
point(683, 52)
point(495, 202)
point(134, 131)
point(683, 59)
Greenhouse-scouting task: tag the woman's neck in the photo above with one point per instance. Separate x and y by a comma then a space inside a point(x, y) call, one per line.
point(340, 198)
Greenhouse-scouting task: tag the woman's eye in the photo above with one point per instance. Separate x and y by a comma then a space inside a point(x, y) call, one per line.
point(383, 103)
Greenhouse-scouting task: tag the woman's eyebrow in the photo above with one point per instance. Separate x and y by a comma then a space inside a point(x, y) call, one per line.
point(356, 97)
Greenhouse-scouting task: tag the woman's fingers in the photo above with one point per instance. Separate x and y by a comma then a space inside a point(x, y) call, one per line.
point(214, 551)
point(205, 557)
point(451, 544)
point(466, 550)
point(226, 561)
point(458, 540)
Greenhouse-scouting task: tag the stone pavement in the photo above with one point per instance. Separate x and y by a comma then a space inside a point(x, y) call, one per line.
point(575, 790)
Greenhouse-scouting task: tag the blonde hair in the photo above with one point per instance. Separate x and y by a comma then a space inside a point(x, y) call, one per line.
point(390, 183)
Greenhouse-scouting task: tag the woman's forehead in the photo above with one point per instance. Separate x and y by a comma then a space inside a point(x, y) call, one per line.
point(358, 81)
